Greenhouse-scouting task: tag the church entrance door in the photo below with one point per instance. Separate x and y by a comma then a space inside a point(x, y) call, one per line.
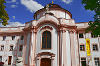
point(45, 62)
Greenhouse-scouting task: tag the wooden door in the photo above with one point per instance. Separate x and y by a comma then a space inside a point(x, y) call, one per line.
point(9, 60)
point(45, 62)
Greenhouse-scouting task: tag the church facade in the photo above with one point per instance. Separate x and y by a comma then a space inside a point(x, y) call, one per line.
point(52, 39)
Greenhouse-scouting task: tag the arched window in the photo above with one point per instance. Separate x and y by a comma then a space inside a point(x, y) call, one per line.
point(46, 40)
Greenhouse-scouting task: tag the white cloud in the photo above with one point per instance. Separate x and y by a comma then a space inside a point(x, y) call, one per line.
point(13, 6)
point(12, 1)
point(67, 1)
point(17, 2)
point(31, 5)
point(13, 24)
point(13, 17)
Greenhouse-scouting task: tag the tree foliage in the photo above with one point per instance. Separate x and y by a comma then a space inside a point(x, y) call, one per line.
point(3, 14)
point(93, 5)
point(94, 27)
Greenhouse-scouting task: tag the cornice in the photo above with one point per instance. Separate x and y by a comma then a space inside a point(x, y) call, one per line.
point(12, 33)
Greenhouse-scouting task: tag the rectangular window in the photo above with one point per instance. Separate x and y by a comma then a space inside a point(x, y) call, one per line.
point(81, 35)
point(22, 37)
point(0, 58)
point(20, 47)
point(9, 60)
point(83, 61)
point(94, 36)
point(11, 48)
point(2, 47)
point(46, 40)
point(4, 38)
point(82, 48)
point(13, 37)
point(96, 60)
point(95, 47)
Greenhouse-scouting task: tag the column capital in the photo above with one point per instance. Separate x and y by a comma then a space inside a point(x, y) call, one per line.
point(62, 30)
point(33, 30)
point(72, 31)
point(38, 58)
point(52, 58)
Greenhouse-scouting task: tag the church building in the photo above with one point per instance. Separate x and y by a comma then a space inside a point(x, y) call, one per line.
point(53, 38)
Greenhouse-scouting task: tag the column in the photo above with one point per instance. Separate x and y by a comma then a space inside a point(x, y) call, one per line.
point(30, 49)
point(76, 48)
point(68, 48)
point(73, 61)
point(62, 47)
point(58, 47)
point(52, 61)
point(34, 46)
point(24, 48)
point(38, 61)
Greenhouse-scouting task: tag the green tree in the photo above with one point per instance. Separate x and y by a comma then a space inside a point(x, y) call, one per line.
point(3, 14)
point(93, 5)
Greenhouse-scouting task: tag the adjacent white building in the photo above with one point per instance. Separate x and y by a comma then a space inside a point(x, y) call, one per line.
point(52, 39)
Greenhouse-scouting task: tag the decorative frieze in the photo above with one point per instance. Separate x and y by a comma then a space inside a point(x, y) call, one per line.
point(46, 27)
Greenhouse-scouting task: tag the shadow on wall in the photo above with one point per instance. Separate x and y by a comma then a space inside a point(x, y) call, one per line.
point(15, 58)
point(18, 52)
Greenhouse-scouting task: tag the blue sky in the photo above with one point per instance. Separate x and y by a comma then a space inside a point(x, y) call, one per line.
point(21, 11)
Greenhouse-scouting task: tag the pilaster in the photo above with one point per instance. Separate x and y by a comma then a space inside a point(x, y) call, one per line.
point(34, 39)
point(62, 47)
point(24, 47)
point(72, 48)
point(76, 48)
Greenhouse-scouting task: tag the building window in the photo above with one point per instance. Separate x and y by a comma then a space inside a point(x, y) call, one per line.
point(0, 58)
point(4, 38)
point(95, 47)
point(46, 40)
point(13, 37)
point(2, 47)
point(81, 35)
point(82, 47)
point(11, 48)
point(83, 61)
point(9, 60)
point(96, 60)
point(20, 47)
point(94, 36)
point(22, 37)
